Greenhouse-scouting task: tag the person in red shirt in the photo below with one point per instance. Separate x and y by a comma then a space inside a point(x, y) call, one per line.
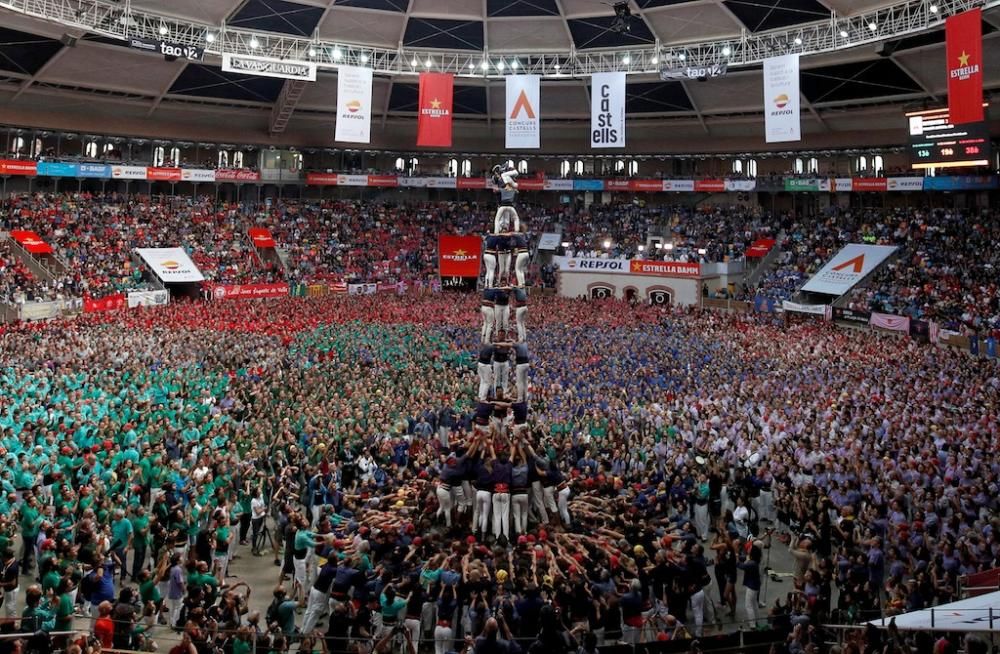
point(104, 627)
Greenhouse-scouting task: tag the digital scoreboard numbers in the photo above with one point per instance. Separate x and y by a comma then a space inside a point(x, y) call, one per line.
point(936, 143)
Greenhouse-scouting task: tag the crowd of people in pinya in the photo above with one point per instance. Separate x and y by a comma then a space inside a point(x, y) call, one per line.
point(669, 457)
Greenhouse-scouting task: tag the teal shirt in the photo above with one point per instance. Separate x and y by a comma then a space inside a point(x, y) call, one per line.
point(120, 532)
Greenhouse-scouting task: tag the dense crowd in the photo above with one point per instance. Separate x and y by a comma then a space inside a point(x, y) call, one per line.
point(667, 453)
point(948, 270)
point(707, 234)
point(945, 269)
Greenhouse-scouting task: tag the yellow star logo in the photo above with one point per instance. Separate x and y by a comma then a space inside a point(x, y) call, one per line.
point(459, 253)
point(963, 59)
point(436, 104)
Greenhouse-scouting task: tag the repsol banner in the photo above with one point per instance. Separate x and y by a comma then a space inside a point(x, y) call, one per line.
point(581, 264)
point(850, 315)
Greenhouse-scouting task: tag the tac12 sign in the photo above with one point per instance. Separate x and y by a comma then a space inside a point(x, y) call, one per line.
point(935, 142)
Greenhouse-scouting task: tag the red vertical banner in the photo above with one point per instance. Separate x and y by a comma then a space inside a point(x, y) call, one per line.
point(434, 119)
point(965, 66)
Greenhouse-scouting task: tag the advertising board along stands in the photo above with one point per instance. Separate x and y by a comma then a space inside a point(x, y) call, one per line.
point(639, 280)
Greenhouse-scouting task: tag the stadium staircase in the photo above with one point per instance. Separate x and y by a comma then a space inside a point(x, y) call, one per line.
point(275, 256)
point(752, 276)
point(45, 267)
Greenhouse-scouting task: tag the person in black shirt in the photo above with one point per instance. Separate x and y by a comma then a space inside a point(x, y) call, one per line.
point(338, 632)
point(491, 642)
point(318, 595)
point(697, 579)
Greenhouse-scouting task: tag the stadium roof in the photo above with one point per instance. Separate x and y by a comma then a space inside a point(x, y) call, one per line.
point(37, 67)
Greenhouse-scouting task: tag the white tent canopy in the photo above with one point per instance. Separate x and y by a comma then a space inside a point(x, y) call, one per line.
point(980, 613)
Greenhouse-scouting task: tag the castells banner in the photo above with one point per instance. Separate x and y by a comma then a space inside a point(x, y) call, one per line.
point(171, 264)
point(459, 256)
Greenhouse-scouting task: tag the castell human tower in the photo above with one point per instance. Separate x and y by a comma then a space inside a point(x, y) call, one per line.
point(501, 414)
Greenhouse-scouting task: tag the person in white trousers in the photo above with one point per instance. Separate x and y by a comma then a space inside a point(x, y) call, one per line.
point(519, 488)
point(444, 635)
point(483, 484)
point(501, 498)
point(486, 373)
point(701, 496)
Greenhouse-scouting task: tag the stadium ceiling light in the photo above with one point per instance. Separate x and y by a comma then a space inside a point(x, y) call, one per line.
point(843, 34)
point(798, 40)
point(500, 65)
point(726, 51)
point(254, 43)
point(472, 66)
point(873, 26)
point(934, 9)
point(655, 60)
point(312, 52)
point(626, 60)
point(682, 56)
point(163, 30)
point(515, 65)
point(414, 62)
point(364, 58)
point(338, 54)
point(429, 62)
point(210, 38)
point(483, 65)
point(557, 66)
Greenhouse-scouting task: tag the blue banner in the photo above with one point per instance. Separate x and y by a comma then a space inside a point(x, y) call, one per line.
point(963, 183)
point(762, 304)
point(95, 171)
point(57, 169)
point(588, 184)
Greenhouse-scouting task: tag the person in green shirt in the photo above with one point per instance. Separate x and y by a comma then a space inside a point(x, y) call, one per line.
point(149, 594)
point(35, 616)
point(223, 536)
point(31, 521)
point(282, 611)
point(64, 606)
point(141, 539)
point(121, 538)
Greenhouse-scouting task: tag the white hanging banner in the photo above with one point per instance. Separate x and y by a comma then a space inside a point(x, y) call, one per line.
point(354, 104)
point(607, 110)
point(523, 120)
point(782, 120)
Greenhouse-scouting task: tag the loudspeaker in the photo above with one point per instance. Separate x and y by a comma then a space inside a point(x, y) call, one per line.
point(68, 40)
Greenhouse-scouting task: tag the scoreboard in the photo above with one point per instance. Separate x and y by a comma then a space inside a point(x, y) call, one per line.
point(936, 143)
